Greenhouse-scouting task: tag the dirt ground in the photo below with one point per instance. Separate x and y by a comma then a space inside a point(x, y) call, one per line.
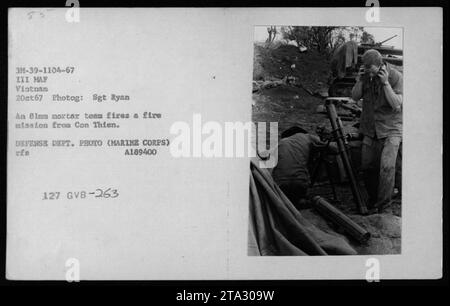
point(291, 105)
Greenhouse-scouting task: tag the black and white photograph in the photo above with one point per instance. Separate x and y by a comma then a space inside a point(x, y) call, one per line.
point(337, 96)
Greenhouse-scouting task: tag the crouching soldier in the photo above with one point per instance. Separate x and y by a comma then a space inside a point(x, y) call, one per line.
point(294, 154)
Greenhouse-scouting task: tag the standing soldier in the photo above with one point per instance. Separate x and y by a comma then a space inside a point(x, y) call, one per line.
point(381, 87)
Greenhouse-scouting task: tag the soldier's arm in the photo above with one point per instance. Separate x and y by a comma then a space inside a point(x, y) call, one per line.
point(394, 91)
point(315, 141)
point(333, 148)
point(317, 144)
point(394, 95)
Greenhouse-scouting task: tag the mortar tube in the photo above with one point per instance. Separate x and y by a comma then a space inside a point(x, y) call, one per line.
point(337, 217)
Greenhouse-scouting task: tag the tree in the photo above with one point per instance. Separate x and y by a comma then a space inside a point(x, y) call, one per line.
point(325, 39)
point(341, 35)
point(338, 37)
point(321, 38)
point(367, 38)
point(297, 34)
point(355, 32)
point(272, 30)
point(318, 38)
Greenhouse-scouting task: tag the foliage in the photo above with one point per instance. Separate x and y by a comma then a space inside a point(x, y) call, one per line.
point(367, 38)
point(324, 39)
point(272, 30)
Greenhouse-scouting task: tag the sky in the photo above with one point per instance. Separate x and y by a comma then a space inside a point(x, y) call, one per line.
point(379, 33)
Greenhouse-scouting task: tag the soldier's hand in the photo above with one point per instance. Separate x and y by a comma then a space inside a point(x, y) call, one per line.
point(383, 74)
